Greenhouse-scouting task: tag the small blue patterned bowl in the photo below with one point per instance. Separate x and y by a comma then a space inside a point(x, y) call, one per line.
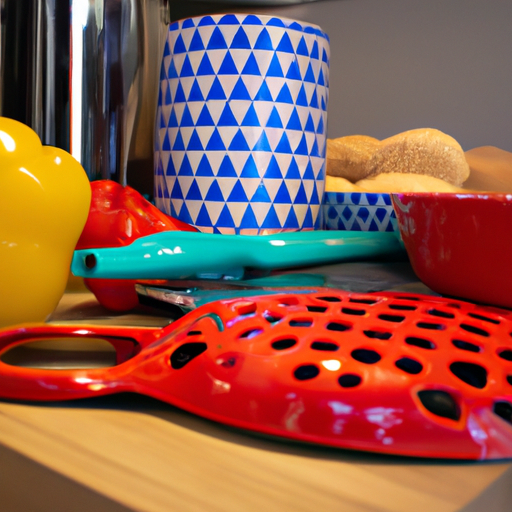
point(358, 211)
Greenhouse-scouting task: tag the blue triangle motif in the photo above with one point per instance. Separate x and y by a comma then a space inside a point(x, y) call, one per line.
point(251, 118)
point(194, 144)
point(320, 127)
point(194, 193)
point(167, 50)
point(271, 220)
point(185, 215)
point(321, 80)
point(251, 66)
point(240, 91)
point(302, 48)
point(203, 219)
point(302, 148)
point(176, 192)
point(275, 69)
point(179, 97)
point(228, 66)
point(373, 226)
point(276, 22)
point(310, 76)
point(261, 195)
point(205, 67)
point(217, 41)
point(170, 171)
point(186, 118)
point(206, 21)
point(283, 196)
point(314, 199)
point(162, 124)
point(185, 168)
point(250, 169)
point(314, 149)
point(195, 92)
point(324, 106)
point(225, 219)
point(214, 193)
point(196, 44)
point(249, 219)
point(252, 19)
point(173, 120)
point(178, 143)
point(229, 19)
point(216, 91)
point(188, 23)
point(310, 126)
point(301, 197)
point(294, 121)
point(302, 99)
point(238, 194)
point(325, 58)
point(291, 220)
point(241, 41)
point(293, 71)
point(308, 220)
point(239, 143)
point(284, 145)
point(263, 42)
point(293, 172)
point(264, 93)
point(168, 97)
point(314, 51)
point(285, 45)
point(273, 170)
point(205, 118)
point(215, 143)
point(274, 120)
point(226, 169)
point(166, 146)
point(204, 168)
point(163, 73)
point(186, 68)
point(262, 144)
point(309, 173)
point(314, 100)
point(179, 46)
point(227, 118)
point(284, 95)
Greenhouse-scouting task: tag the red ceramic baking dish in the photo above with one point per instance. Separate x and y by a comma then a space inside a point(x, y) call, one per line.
point(460, 245)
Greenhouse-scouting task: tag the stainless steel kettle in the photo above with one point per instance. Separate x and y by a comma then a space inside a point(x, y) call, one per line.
point(84, 75)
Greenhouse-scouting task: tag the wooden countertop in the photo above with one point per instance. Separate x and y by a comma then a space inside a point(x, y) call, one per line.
point(132, 453)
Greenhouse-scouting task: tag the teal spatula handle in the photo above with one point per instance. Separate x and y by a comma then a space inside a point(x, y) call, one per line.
point(183, 254)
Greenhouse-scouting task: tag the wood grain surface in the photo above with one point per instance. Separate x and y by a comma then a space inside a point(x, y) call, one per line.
point(148, 456)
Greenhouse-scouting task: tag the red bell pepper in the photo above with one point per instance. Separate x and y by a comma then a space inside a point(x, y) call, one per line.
point(119, 215)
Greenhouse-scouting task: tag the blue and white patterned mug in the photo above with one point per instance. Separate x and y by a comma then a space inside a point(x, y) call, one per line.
point(241, 124)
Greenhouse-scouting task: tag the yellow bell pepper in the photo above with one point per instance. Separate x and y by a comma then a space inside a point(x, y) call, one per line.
point(44, 202)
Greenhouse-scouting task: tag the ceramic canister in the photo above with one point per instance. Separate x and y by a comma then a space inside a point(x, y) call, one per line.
point(241, 124)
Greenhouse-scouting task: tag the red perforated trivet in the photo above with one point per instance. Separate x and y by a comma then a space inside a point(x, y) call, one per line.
point(393, 373)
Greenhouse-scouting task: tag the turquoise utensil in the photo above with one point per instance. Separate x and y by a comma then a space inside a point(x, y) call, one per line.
point(184, 255)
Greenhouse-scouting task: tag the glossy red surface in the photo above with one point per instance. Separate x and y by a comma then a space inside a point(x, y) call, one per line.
point(119, 215)
point(459, 245)
point(392, 373)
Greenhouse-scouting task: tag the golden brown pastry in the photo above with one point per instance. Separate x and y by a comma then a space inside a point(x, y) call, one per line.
point(347, 156)
point(393, 182)
point(423, 151)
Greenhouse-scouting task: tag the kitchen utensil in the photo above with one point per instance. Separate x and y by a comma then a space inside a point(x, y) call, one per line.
point(181, 254)
point(392, 373)
point(241, 123)
point(76, 72)
point(458, 244)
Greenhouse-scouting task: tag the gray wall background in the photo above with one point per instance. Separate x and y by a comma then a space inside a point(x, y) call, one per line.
point(404, 64)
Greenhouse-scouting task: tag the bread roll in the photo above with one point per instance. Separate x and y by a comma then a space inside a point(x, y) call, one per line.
point(347, 157)
point(424, 151)
point(394, 182)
